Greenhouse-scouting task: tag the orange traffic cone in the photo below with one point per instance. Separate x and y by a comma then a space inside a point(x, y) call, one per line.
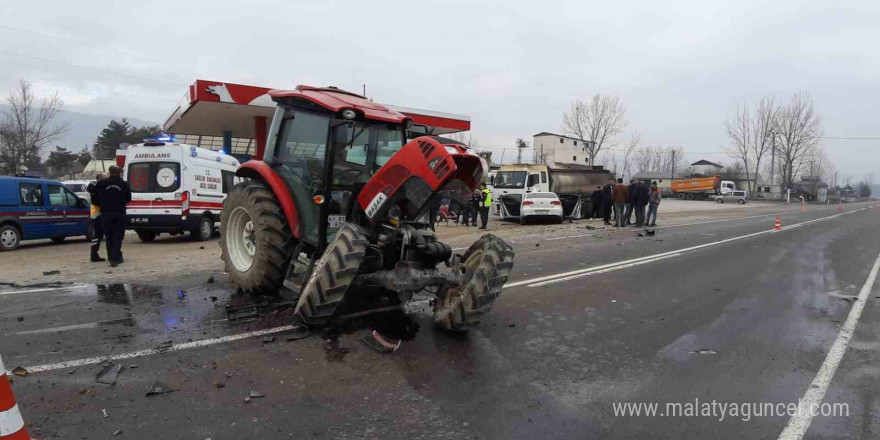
point(11, 424)
point(778, 224)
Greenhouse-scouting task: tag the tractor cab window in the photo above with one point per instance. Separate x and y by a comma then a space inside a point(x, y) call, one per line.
point(299, 153)
point(361, 148)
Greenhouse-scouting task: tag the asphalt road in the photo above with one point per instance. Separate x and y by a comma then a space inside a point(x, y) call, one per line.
point(726, 311)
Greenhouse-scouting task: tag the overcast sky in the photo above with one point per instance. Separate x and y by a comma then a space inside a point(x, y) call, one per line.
point(513, 66)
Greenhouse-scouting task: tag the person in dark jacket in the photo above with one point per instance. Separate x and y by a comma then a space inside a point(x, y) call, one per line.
point(596, 202)
point(607, 201)
point(96, 231)
point(653, 205)
point(631, 191)
point(113, 194)
point(640, 201)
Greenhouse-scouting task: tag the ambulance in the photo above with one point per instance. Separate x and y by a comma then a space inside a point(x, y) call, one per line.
point(177, 188)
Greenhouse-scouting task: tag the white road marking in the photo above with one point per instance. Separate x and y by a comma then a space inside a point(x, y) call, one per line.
point(152, 351)
point(799, 423)
point(596, 272)
point(70, 327)
point(13, 292)
point(570, 236)
point(573, 274)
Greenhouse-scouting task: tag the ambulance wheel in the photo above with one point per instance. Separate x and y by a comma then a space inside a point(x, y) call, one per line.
point(10, 238)
point(205, 230)
point(58, 239)
point(255, 240)
point(146, 236)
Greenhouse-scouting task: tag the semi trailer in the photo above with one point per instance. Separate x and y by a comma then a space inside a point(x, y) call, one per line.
point(702, 188)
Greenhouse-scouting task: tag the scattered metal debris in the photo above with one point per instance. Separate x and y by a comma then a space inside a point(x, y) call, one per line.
point(299, 332)
point(650, 232)
point(51, 272)
point(511, 325)
point(158, 388)
point(704, 351)
point(219, 385)
point(104, 411)
point(20, 318)
point(268, 339)
point(256, 395)
point(20, 371)
point(164, 346)
point(380, 344)
point(211, 279)
point(181, 294)
point(117, 432)
point(109, 373)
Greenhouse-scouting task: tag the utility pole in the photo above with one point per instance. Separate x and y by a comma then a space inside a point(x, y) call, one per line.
point(673, 165)
point(772, 159)
point(365, 90)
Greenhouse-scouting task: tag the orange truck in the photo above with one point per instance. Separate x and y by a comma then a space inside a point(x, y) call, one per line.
point(701, 188)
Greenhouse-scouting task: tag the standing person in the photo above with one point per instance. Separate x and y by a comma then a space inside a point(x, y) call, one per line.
point(434, 210)
point(631, 192)
point(95, 229)
point(640, 200)
point(596, 202)
point(485, 204)
point(653, 204)
point(607, 201)
point(113, 194)
point(620, 197)
point(473, 208)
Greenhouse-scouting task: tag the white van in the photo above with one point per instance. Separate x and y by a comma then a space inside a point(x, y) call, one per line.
point(176, 188)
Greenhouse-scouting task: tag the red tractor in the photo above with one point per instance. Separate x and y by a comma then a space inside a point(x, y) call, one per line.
point(340, 184)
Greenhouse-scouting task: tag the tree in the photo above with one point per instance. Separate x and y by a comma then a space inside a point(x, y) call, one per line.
point(84, 157)
point(116, 132)
point(798, 129)
point(598, 120)
point(863, 189)
point(660, 160)
point(763, 123)
point(148, 131)
point(465, 137)
point(631, 146)
point(739, 130)
point(61, 160)
point(27, 127)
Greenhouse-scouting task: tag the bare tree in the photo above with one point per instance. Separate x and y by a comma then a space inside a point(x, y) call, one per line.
point(763, 123)
point(798, 129)
point(739, 130)
point(27, 127)
point(465, 137)
point(631, 146)
point(659, 159)
point(598, 121)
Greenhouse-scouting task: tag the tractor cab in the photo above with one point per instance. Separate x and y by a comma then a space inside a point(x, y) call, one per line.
point(326, 157)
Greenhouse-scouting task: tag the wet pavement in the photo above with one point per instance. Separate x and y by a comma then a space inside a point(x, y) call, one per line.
point(548, 362)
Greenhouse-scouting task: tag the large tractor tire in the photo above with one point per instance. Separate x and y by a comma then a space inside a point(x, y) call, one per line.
point(332, 275)
point(255, 240)
point(488, 262)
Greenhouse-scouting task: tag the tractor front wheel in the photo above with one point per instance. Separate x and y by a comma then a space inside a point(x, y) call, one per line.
point(256, 242)
point(332, 275)
point(488, 262)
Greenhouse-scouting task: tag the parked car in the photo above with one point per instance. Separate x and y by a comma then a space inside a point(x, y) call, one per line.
point(541, 205)
point(33, 208)
point(741, 197)
point(79, 187)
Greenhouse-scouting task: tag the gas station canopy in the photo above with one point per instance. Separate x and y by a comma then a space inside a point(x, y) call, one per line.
point(211, 108)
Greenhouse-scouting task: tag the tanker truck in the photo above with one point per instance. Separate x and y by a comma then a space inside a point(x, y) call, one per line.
point(573, 184)
point(702, 188)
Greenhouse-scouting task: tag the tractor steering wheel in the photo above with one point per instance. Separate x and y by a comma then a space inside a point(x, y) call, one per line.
point(354, 172)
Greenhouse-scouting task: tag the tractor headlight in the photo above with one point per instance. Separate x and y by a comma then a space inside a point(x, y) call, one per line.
point(348, 114)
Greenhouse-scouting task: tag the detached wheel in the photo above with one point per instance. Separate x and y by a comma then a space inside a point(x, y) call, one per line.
point(204, 231)
point(488, 263)
point(57, 240)
point(10, 238)
point(255, 240)
point(332, 275)
point(146, 236)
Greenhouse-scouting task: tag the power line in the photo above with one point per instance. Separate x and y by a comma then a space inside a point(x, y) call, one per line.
point(851, 138)
point(63, 63)
point(68, 86)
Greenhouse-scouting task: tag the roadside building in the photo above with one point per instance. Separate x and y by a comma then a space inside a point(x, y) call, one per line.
point(663, 179)
point(705, 168)
point(556, 149)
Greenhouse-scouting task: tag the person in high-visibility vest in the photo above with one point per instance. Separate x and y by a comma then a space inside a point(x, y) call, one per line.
point(485, 204)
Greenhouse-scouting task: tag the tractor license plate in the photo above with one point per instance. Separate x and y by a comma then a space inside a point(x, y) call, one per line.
point(335, 221)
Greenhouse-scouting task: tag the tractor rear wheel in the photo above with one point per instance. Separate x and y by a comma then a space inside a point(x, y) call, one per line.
point(256, 243)
point(332, 275)
point(488, 262)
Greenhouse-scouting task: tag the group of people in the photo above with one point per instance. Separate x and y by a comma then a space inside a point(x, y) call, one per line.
point(479, 203)
point(622, 201)
point(110, 195)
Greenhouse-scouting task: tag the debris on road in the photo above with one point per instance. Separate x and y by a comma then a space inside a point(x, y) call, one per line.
point(650, 232)
point(20, 318)
point(256, 395)
point(299, 332)
point(380, 344)
point(117, 432)
point(20, 371)
point(704, 351)
point(164, 346)
point(219, 385)
point(511, 325)
point(158, 388)
point(268, 339)
point(109, 373)
point(51, 272)
point(211, 280)
point(181, 294)
point(104, 411)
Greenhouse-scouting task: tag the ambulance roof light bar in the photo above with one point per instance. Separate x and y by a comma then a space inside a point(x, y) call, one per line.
point(162, 138)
